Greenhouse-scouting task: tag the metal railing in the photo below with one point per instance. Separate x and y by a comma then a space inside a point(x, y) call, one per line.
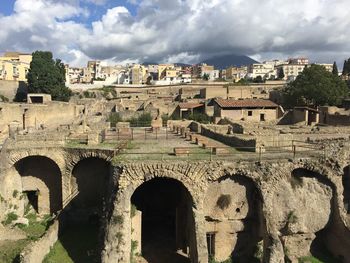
point(228, 153)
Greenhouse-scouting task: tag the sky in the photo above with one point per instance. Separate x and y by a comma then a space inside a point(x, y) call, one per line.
point(188, 31)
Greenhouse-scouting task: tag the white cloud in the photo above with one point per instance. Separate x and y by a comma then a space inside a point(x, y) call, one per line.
point(187, 30)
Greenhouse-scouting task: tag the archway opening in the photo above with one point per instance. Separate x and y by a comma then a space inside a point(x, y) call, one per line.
point(90, 185)
point(41, 180)
point(346, 189)
point(328, 243)
point(166, 219)
point(32, 198)
point(82, 234)
point(234, 220)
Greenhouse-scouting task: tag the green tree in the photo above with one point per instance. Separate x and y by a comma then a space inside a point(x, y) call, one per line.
point(335, 69)
point(205, 76)
point(346, 67)
point(281, 73)
point(47, 75)
point(315, 86)
point(258, 79)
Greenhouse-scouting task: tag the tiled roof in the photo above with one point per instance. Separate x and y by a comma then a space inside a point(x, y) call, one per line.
point(188, 105)
point(247, 103)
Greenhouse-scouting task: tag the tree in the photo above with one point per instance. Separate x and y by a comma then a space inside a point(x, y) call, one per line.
point(315, 86)
point(281, 73)
point(346, 67)
point(47, 75)
point(335, 69)
point(258, 79)
point(206, 76)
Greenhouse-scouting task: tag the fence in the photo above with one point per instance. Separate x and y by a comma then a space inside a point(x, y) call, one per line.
point(145, 133)
point(301, 150)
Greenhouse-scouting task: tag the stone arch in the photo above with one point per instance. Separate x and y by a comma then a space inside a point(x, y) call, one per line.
point(43, 175)
point(128, 177)
point(133, 175)
point(57, 156)
point(73, 157)
point(312, 221)
point(234, 219)
point(89, 181)
point(164, 208)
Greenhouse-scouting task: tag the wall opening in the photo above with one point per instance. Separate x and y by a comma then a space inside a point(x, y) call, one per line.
point(346, 187)
point(234, 219)
point(211, 244)
point(32, 199)
point(167, 232)
point(330, 243)
point(90, 185)
point(41, 177)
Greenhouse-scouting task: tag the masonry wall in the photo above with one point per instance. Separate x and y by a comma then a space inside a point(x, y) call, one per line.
point(36, 116)
point(243, 114)
point(230, 140)
point(37, 251)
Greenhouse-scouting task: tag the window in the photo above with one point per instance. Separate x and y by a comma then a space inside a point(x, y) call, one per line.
point(262, 117)
point(211, 244)
point(250, 113)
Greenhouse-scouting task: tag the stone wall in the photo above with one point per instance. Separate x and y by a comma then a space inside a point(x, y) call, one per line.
point(36, 251)
point(292, 201)
point(230, 140)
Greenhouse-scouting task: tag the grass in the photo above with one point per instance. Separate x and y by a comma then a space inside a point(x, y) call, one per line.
point(77, 244)
point(36, 228)
point(10, 250)
point(103, 146)
point(309, 260)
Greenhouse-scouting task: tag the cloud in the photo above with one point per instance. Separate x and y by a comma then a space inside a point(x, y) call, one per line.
point(187, 30)
point(96, 2)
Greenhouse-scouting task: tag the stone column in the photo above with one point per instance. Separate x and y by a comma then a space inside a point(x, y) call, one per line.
point(201, 240)
point(117, 245)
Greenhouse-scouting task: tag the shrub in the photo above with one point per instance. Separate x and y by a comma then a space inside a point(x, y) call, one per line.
point(292, 218)
point(10, 217)
point(109, 90)
point(3, 98)
point(200, 117)
point(114, 118)
point(144, 120)
point(133, 210)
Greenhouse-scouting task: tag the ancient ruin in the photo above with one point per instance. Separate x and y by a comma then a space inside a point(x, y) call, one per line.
point(174, 191)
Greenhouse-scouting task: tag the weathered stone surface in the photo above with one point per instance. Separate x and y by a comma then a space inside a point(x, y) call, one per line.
point(291, 200)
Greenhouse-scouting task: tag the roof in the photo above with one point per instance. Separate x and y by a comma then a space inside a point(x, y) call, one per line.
point(188, 105)
point(247, 103)
point(306, 108)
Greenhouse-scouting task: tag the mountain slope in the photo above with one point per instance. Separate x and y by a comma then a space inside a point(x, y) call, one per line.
point(222, 62)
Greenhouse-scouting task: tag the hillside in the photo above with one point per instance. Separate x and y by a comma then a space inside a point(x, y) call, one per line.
point(222, 62)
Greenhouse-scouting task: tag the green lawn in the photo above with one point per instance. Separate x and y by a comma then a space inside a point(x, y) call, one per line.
point(78, 244)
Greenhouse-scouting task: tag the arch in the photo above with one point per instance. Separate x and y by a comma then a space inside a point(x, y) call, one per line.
point(56, 155)
point(234, 219)
point(89, 183)
point(42, 174)
point(346, 188)
point(162, 221)
point(329, 241)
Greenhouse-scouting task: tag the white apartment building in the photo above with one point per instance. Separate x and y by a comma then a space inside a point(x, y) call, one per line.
point(266, 71)
point(291, 71)
point(329, 67)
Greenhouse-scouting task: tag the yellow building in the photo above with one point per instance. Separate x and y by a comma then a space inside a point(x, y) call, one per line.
point(162, 69)
point(14, 66)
